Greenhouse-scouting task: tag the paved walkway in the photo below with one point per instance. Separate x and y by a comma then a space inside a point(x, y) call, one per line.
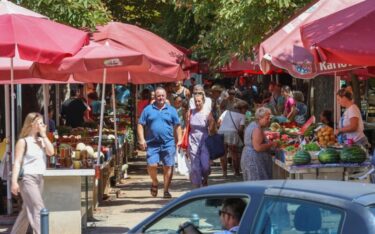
point(134, 203)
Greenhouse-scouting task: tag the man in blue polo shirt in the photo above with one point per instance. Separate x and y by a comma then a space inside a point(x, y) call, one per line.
point(160, 124)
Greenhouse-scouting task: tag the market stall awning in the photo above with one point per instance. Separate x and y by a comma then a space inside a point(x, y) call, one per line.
point(237, 67)
point(284, 48)
point(346, 36)
point(166, 60)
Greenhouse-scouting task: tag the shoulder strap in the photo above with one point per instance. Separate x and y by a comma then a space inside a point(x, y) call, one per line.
point(230, 114)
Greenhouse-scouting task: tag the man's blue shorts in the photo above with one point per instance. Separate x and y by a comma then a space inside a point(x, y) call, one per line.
point(163, 153)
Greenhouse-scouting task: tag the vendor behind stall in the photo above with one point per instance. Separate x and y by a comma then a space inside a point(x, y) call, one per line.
point(73, 109)
point(289, 104)
point(351, 126)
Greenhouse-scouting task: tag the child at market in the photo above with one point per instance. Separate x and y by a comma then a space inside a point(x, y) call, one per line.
point(326, 118)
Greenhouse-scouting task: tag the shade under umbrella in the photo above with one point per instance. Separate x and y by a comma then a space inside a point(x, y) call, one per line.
point(346, 36)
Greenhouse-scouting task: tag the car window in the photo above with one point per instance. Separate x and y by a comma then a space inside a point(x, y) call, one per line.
point(289, 216)
point(202, 212)
point(372, 210)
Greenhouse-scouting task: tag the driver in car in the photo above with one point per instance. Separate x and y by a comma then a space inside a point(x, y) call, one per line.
point(230, 217)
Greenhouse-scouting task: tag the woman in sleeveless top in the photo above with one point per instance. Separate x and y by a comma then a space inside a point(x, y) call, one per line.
point(256, 163)
point(200, 122)
point(181, 91)
point(30, 154)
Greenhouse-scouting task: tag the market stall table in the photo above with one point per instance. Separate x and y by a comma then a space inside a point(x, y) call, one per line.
point(66, 196)
point(333, 171)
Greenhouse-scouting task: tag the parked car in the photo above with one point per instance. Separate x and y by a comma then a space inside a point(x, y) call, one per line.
point(273, 207)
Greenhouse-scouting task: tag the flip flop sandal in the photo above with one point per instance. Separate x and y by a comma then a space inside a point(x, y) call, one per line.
point(167, 195)
point(154, 190)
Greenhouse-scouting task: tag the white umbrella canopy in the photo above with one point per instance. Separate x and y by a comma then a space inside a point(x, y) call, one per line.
point(7, 7)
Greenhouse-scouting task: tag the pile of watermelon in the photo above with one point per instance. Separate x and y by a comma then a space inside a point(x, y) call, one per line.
point(302, 157)
point(329, 156)
point(354, 154)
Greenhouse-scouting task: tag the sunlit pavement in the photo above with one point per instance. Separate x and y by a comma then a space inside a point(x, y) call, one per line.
point(134, 202)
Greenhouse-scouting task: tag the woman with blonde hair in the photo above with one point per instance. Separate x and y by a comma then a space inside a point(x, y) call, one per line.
point(30, 159)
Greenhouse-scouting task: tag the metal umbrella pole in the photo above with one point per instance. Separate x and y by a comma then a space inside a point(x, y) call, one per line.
point(101, 115)
point(8, 148)
point(117, 160)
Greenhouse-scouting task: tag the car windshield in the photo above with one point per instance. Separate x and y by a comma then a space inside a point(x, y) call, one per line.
point(202, 213)
point(294, 216)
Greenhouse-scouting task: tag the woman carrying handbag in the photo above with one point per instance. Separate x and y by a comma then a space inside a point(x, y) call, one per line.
point(200, 122)
point(231, 126)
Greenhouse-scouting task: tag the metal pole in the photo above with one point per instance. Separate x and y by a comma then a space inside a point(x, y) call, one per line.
point(101, 116)
point(8, 148)
point(44, 221)
point(117, 156)
point(46, 104)
point(57, 110)
point(12, 111)
point(18, 107)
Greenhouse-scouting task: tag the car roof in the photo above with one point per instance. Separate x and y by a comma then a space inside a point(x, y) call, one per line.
point(361, 193)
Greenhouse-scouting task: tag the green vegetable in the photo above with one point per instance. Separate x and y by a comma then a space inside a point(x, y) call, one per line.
point(311, 147)
point(290, 148)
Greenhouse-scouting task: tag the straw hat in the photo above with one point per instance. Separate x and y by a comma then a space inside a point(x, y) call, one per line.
point(217, 88)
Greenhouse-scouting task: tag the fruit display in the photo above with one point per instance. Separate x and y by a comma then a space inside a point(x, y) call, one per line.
point(354, 154)
point(274, 127)
point(302, 157)
point(329, 156)
point(326, 136)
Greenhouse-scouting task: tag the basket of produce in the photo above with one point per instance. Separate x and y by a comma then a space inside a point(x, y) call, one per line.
point(326, 136)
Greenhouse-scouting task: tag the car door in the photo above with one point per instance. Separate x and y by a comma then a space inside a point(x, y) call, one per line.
point(278, 215)
point(203, 212)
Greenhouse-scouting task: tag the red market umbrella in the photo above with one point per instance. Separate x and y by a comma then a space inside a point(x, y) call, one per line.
point(36, 39)
point(122, 66)
point(284, 48)
point(165, 59)
point(237, 67)
point(346, 36)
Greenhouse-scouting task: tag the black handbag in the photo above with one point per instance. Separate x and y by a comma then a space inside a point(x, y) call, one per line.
point(215, 145)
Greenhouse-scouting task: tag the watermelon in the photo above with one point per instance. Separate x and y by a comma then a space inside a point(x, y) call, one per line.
point(302, 157)
point(353, 154)
point(329, 156)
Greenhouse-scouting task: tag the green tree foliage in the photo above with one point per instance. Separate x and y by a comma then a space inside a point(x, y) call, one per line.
point(77, 13)
point(176, 25)
point(235, 27)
